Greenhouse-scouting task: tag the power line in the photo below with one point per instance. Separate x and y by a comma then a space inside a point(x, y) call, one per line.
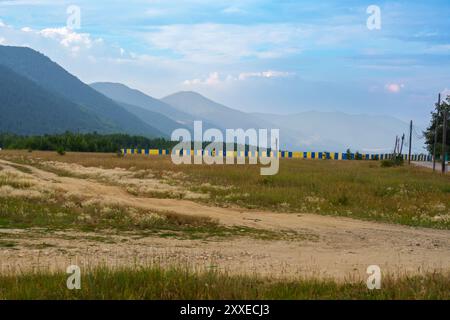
point(417, 135)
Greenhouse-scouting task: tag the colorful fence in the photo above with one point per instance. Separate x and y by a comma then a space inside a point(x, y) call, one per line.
point(285, 154)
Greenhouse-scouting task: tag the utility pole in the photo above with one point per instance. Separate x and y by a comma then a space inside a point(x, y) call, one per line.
point(395, 147)
point(436, 133)
point(444, 138)
point(410, 142)
point(401, 147)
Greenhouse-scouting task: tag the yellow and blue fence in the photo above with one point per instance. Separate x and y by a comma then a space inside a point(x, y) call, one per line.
point(282, 154)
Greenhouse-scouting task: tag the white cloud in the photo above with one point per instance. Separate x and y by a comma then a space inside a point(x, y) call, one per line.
point(264, 74)
point(439, 49)
point(26, 2)
point(54, 39)
point(394, 87)
point(233, 10)
point(224, 43)
point(214, 78)
point(69, 38)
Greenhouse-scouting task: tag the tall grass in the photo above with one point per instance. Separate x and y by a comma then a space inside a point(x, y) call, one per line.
point(179, 283)
point(360, 189)
point(17, 212)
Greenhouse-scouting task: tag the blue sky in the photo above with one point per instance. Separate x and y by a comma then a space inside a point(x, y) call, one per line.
point(258, 56)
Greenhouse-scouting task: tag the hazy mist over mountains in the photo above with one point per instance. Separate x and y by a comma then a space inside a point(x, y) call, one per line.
point(302, 131)
point(37, 96)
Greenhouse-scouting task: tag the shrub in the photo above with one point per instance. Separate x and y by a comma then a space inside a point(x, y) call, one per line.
point(387, 163)
point(349, 154)
point(60, 151)
point(397, 161)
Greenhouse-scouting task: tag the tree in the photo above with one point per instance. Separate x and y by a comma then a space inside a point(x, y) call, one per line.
point(349, 154)
point(437, 119)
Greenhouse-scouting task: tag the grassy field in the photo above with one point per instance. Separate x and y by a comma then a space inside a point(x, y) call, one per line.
point(177, 283)
point(54, 215)
point(360, 189)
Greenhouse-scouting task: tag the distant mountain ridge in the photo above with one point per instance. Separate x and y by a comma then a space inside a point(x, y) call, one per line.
point(27, 108)
point(205, 109)
point(38, 96)
point(306, 131)
point(134, 98)
point(340, 130)
point(154, 119)
point(121, 93)
point(53, 78)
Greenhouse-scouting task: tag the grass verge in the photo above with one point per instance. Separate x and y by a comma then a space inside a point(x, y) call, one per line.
point(177, 283)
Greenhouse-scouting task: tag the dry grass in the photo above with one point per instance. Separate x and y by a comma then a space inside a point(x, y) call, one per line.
point(359, 189)
point(179, 283)
point(62, 211)
point(14, 180)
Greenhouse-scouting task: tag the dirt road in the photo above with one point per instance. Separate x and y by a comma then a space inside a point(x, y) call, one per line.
point(429, 165)
point(341, 248)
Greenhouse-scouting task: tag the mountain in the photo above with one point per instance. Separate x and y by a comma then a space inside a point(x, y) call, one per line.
point(121, 93)
point(156, 120)
point(38, 96)
point(337, 131)
point(26, 108)
point(155, 112)
point(217, 114)
point(306, 131)
point(47, 74)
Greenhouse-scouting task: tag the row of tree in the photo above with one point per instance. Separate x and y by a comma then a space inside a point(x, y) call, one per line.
point(437, 119)
point(90, 142)
point(87, 142)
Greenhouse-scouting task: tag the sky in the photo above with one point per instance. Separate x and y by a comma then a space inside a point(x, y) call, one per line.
point(359, 57)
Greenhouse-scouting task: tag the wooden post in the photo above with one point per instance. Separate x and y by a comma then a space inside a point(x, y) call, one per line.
point(444, 138)
point(401, 147)
point(410, 142)
point(436, 133)
point(395, 147)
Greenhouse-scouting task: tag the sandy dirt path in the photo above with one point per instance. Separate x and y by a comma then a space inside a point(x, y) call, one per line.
point(429, 165)
point(341, 248)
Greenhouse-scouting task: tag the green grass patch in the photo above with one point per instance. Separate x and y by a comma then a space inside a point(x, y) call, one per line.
point(178, 283)
point(37, 213)
point(22, 168)
point(7, 244)
point(405, 195)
